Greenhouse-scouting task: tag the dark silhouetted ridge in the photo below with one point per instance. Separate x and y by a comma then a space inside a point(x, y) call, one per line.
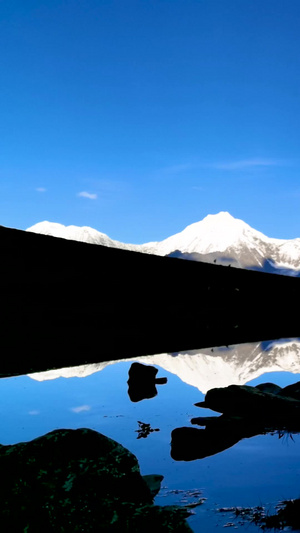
point(65, 303)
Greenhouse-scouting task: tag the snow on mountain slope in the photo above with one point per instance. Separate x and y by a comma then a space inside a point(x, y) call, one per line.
point(213, 233)
point(218, 238)
point(208, 368)
point(75, 233)
point(230, 240)
point(224, 239)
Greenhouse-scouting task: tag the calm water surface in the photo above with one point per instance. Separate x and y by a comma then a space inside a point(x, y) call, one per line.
point(258, 471)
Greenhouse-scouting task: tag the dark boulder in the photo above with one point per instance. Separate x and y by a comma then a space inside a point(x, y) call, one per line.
point(269, 387)
point(249, 401)
point(292, 391)
point(79, 480)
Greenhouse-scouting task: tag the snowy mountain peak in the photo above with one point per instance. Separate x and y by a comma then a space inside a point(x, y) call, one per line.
point(84, 234)
point(213, 233)
point(219, 220)
point(225, 224)
point(220, 224)
point(76, 233)
point(222, 216)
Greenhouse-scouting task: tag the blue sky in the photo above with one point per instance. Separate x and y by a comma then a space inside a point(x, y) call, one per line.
point(139, 117)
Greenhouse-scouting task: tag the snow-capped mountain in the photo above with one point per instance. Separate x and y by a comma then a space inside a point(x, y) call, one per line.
point(75, 233)
point(209, 368)
point(219, 238)
point(224, 239)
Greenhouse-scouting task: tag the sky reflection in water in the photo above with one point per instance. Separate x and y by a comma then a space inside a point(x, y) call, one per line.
point(260, 470)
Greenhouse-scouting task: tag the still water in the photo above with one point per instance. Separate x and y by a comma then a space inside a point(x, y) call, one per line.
point(257, 471)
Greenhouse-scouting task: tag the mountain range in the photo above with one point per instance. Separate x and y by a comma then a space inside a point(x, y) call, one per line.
point(208, 368)
point(220, 239)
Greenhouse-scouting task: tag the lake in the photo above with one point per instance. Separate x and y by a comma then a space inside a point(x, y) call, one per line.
point(259, 471)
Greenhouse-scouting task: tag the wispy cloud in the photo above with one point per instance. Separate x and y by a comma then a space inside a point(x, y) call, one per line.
point(41, 189)
point(34, 412)
point(245, 164)
point(239, 164)
point(90, 196)
point(177, 169)
point(80, 408)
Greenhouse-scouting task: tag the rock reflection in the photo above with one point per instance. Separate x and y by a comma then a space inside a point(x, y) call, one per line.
point(142, 382)
point(246, 412)
point(208, 368)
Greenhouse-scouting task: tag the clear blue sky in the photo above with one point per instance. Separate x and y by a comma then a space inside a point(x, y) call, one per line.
point(139, 117)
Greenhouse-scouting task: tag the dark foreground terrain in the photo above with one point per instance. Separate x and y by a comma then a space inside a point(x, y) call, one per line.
point(66, 303)
point(80, 480)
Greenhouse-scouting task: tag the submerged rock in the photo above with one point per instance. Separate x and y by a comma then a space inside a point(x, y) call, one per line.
point(79, 480)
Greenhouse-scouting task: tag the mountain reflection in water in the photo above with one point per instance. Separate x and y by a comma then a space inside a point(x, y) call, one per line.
point(258, 470)
point(211, 367)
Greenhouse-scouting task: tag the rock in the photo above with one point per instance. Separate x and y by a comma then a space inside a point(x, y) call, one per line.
point(142, 382)
point(269, 387)
point(153, 482)
point(78, 480)
point(247, 411)
point(292, 391)
point(249, 401)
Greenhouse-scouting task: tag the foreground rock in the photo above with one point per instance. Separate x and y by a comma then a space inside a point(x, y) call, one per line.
point(247, 411)
point(265, 401)
point(79, 480)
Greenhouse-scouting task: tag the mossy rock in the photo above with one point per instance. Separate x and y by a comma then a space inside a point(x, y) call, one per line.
point(78, 480)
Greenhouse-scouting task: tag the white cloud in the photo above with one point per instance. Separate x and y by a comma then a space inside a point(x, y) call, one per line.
point(34, 412)
point(80, 408)
point(40, 189)
point(90, 196)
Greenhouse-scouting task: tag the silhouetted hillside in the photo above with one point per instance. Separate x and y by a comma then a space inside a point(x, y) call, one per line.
point(66, 302)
